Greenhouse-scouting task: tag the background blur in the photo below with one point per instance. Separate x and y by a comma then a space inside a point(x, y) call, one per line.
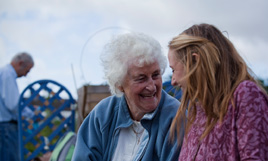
point(65, 37)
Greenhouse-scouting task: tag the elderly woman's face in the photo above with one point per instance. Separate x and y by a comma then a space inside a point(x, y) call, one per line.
point(142, 88)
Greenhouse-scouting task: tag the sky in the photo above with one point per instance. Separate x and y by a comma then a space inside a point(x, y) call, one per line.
point(65, 37)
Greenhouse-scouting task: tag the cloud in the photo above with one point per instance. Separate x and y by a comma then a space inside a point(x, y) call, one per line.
point(55, 31)
point(252, 52)
point(2, 52)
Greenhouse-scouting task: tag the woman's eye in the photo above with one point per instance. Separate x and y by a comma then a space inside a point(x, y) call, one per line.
point(140, 79)
point(156, 75)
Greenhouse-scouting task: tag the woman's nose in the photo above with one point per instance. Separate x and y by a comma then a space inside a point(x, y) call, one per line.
point(151, 85)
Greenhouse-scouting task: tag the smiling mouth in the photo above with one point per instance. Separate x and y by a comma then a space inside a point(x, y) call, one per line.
point(148, 95)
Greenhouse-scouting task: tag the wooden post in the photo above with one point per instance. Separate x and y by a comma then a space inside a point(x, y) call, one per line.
point(88, 97)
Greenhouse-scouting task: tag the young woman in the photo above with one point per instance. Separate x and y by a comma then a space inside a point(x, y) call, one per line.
point(225, 107)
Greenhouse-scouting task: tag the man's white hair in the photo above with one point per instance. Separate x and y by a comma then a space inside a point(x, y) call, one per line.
point(24, 57)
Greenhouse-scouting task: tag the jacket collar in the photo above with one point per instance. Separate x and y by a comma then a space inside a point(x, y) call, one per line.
point(125, 119)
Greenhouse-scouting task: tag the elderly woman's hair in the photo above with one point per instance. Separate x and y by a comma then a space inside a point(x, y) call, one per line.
point(125, 49)
point(24, 57)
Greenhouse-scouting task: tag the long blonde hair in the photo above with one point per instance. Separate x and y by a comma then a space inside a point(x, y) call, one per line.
point(211, 77)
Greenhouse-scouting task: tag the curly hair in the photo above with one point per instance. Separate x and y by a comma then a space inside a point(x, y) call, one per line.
point(126, 49)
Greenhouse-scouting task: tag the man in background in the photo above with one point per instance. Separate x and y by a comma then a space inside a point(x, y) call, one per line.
point(20, 66)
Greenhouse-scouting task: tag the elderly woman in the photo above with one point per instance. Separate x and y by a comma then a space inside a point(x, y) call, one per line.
point(134, 123)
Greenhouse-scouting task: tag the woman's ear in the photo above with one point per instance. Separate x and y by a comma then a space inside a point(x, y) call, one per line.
point(195, 56)
point(120, 88)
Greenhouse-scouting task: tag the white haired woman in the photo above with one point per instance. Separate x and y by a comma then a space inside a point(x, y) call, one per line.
point(134, 123)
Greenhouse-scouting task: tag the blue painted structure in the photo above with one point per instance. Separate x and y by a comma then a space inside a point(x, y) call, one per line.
point(173, 91)
point(46, 116)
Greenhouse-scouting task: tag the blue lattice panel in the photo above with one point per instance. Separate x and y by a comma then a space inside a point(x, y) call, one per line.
point(46, 112)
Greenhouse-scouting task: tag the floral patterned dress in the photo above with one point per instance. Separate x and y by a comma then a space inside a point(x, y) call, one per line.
point(243, 135)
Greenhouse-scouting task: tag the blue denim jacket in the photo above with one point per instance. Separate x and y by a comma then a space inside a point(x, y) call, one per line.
point(98, 135)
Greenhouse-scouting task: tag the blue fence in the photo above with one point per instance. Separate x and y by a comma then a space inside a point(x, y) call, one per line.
point(46, 112)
